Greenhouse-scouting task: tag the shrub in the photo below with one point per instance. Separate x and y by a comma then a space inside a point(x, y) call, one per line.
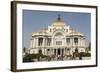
point(30, 57)
point(83, 54)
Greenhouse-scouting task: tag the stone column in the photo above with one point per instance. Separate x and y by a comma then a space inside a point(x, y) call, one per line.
point(81, 41)
point(64, 39)
point(71, 42)
point(46, 52)
point(36, 42)
point(31, 43)
point(78, 41)
point(64, 51)
point(53, 51)
point(79, 44)
point(56, 51)
point(50, 51)
point(71, 49)
point(52, 41)
point(43, 42)
point(84, 42)
point(60, 51)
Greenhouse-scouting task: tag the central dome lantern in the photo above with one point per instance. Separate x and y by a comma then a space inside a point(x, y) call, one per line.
point(58, 22)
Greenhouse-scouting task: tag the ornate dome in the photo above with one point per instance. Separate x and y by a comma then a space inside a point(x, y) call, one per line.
point(58, 22)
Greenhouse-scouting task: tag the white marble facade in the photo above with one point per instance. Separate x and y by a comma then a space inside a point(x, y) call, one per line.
point(58, 39)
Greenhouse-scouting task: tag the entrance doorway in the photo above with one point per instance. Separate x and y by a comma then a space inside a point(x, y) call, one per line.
point(58, 52)
point(62, 52)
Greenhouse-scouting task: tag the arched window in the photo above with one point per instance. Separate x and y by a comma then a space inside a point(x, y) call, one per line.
point(68, 40)
point(50, 29)
point(40, 51)
point(40, 41)
point(76, 40)
point(76, 50)
point(48, 49)
point(58, 42)
point(48, 41)
point(66, 30)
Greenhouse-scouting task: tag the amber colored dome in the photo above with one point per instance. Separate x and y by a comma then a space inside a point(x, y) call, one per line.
point(58, 22)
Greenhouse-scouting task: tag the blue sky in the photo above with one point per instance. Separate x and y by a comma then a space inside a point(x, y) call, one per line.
point(36, 20)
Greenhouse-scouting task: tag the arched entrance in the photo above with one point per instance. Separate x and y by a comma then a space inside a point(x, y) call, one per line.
point(40, 51)
point(58, 52)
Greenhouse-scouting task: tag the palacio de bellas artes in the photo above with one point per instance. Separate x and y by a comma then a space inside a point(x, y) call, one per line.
point(57, 42)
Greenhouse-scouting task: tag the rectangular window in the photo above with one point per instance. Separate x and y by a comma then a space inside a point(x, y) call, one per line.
point(68, 40)
point(40, 41)
point(50, 30)
point(76, 40)
point(48, 41)
point(66, 30)
point(58, 42)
